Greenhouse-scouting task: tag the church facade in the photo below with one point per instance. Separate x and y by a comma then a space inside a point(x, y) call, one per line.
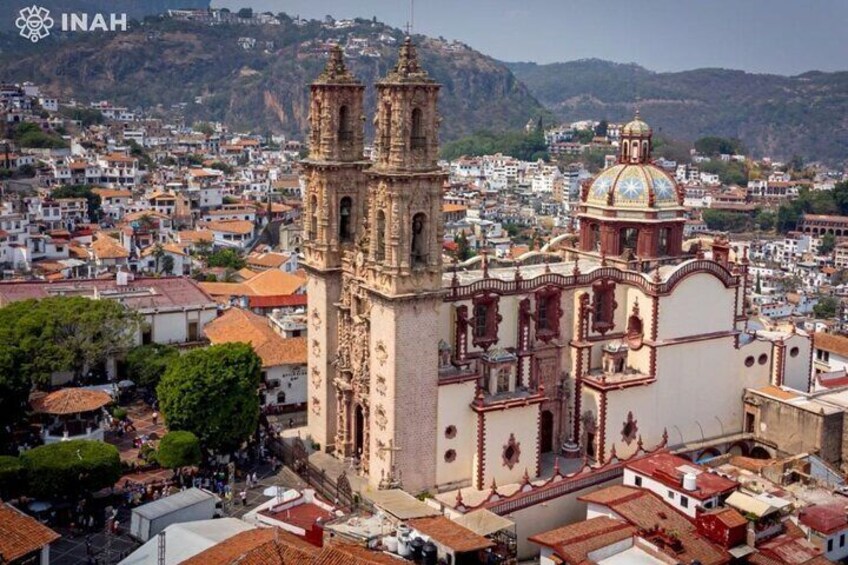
point(436, 376)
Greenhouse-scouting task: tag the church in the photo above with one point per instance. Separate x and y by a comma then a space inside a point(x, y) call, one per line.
point(437, 376)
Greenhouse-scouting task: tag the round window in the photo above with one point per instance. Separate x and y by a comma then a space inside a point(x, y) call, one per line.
point(749, 361)
point(450, 455)
point(450, 432)
point(794, 352)
point(762, 359)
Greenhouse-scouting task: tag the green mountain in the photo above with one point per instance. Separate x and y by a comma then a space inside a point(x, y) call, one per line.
point(217, 73)
point(773, 115)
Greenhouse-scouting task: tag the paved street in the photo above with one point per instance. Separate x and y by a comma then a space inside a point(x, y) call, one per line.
point(71, 550)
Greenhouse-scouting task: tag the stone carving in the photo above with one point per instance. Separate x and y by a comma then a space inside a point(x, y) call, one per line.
point(316, 319)
point(381, 353)
point(316, 406)
point(380, 417)
point(380, 386)
point(630, 429)
point(316, 377)
point(316, 348)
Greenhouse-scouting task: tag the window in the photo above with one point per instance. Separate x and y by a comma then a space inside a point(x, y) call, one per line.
point(481, 318)
point(762, 359)
point(684, 502)
point(671, 494)
point(313, 220)
point(663, 245)
point(794, 352)
point(595, 237)
point(192, 331)
point(345, 129)
point(345, 220)
point(604, 305)
point(381, 236)
point(548, 313)
point(627, 238)
point(830, 545)
point(450, 432)
point(418, 140)
point(841, 540)
point(503, 380)
point(749, 361)
point(450, 456)
point(386, 126)
point(637, 480)
point(418, 252)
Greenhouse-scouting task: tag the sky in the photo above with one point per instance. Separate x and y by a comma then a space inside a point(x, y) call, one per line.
point(764, 36)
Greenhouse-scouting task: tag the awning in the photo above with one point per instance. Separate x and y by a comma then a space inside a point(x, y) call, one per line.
point(749, 505)
point(484, 522)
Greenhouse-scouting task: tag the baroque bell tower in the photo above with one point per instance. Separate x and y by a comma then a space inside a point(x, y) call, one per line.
point(334, 209)
point(403, 276)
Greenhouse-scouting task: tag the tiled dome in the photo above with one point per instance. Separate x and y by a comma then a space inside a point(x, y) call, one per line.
point(634, 186)
point(637, 127)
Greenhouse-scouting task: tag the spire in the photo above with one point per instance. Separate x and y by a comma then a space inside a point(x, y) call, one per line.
point(335, 69)
point(407, 67)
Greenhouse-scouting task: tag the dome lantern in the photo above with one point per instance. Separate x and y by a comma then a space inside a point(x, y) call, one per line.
point(636, 143)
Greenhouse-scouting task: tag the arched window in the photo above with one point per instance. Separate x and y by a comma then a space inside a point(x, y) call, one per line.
point(418, 253)
point(381, 236)
point(386, 126)
point(345, 219)
point(418, 140)
point(281, 397)
point(625, 150)
point(634, 151)
point(595, 232)
point(627, 238)
point(663, 247)
point(313, 219)
point(345, 128)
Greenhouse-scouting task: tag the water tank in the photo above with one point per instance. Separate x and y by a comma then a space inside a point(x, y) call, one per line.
point(429, 553)
point(415, 547)
point(690, 481)
point(403, 546)
point(391, 543)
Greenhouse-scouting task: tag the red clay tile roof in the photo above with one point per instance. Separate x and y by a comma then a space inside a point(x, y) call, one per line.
point(347, 554)
point(71, 401)
point(665, 468)
point(833, 343)
point(277, 301)
point(303, 515)
point(575, 541)
point(237, 325)
point(260, 546)
point(448, 533)
point(21, 535)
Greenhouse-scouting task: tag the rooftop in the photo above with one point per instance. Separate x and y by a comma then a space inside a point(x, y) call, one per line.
point(669, 469)
point(20, 534)
point(237, 325)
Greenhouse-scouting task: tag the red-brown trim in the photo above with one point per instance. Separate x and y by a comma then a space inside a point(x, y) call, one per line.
point(481, 449)
point(603, 306)
point(606, 387)
point(499, 405)
point(551, 296)
point(692, 338)
point(493, 320)
point(602, 428)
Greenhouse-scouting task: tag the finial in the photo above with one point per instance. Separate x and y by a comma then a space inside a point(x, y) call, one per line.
point(576, 270)
point(547, 266)
point(494, 487)
point(459, 501)
point(525, 479)
point(335, 68)
point(613, 453)
point(640, 446)
point(556, 466)
point(485, 262)
point(665, 437)
point(518, 276)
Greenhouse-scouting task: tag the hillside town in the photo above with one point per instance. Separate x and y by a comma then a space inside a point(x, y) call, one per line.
point(228, 347)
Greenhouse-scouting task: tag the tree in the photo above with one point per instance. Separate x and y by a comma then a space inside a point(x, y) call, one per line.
point(60, 333)
point(15, 387)
point(245, 13)
point(147, 363)
point(827, 244)
point(212, 393)
point(168, 265)
point(826, 307)
point(463, 250)
point(179, 449)
point(723, 220)
point(70, 468)
point(765, 220)
point(227, 258)
point(719, 146)
point(11, 476)
point(81, 191)
point(601, 128)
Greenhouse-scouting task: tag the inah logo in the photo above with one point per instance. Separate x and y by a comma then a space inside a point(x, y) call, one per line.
point(34, 22)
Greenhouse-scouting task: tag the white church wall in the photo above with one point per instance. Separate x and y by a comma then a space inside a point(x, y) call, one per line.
point(453, 411)
point(523, 423)
point(698, 305)
point(797, 373)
